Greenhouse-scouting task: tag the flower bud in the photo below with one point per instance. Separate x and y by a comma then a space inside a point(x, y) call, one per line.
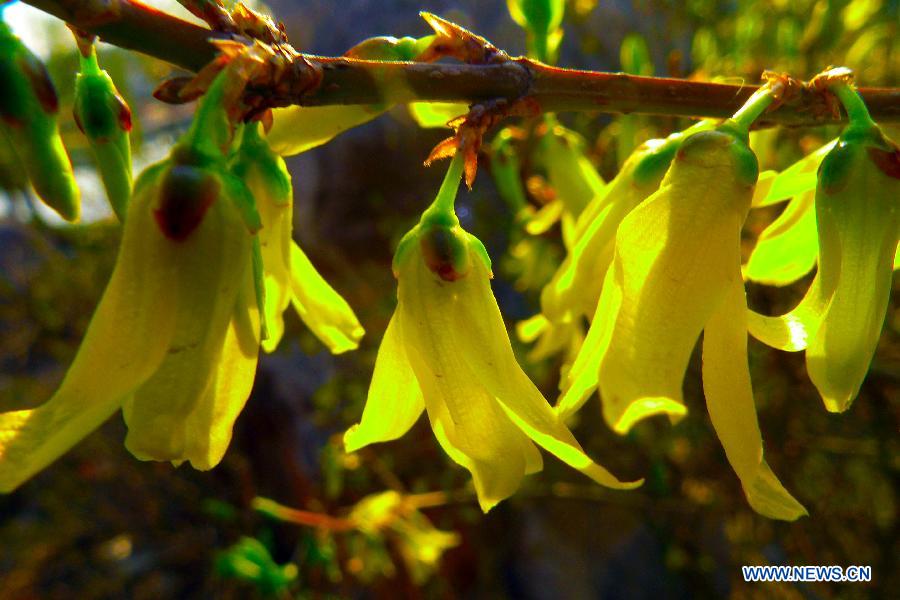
point(28, 107)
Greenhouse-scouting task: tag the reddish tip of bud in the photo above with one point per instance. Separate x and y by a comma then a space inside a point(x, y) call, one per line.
point(886, 161)
point(187, 192)
point(124, 115)
point(443, 254)
point(40, 83)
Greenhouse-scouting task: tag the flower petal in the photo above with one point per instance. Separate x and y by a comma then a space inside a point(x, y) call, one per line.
point(466, 418)
point(673, 255)
point(786, 250)
point(476, 327)
point(323, 310)
point(583, 378)
point(729, 398)
point(296, 129)
point(209, 425)
point(791, 332)
point(124, 344)
point(798, 178)
point(212, 263)
point(275, 243)
point(394, 402)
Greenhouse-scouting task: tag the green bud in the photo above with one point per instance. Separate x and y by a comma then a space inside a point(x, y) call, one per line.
point(105, 119)
point(28, 107)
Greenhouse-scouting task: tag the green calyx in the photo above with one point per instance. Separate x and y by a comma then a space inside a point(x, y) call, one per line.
point(703, 149)
point(443, 244)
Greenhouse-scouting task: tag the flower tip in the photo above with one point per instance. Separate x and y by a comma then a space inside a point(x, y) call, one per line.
point(768, 497)
point(487, 504)
point(631, 485)
point(835, 403)
point(643, 408)
point(352, 441)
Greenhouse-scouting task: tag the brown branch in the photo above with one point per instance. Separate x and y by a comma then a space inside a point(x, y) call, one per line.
point(134, 26)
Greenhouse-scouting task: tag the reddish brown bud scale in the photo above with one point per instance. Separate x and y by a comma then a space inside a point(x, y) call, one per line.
point(185, 196)
point(125, 123)
point(888, 162)
point(40, 83)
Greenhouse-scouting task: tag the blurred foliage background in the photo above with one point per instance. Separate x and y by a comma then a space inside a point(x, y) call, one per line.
point(288, 514)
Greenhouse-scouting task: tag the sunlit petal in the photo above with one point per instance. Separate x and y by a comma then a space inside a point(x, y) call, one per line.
point(296, 129)
point(476, 326)
point(323, 310)
point(124, 344)
point(670, 279)
point(394, 402)
point(213, 262)
point(786, 250)
point(729, 399)
point(461, 410)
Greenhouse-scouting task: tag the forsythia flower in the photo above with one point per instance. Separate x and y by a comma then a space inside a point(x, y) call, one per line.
point(857, 205)
point(574, 290)
point(289, 276)
point(175, 337)
point(676, 272)
point(446, 351)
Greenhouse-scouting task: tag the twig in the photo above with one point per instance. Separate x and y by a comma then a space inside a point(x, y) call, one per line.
point(132, 25)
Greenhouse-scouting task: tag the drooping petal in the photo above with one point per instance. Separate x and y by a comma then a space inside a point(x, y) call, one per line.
point(474, 328)
point(124, 344)
point(209, 425)
point(212, 262)
point(323, 310)
point(786, 250)
point(673, 255)
point(729, 399)
point(583, 377)
point(275, 244)
point(394, 402)
point(467, 420)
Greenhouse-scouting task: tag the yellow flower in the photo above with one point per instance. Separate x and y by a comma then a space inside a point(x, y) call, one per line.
point(573, 292)
point(675, 273)
point(446, 351)
point(289, 276)
point(857, 206)
point(175, 337)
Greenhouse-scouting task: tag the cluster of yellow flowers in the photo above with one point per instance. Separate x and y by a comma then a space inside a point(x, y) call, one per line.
point(205, 269)
point(207, 266)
